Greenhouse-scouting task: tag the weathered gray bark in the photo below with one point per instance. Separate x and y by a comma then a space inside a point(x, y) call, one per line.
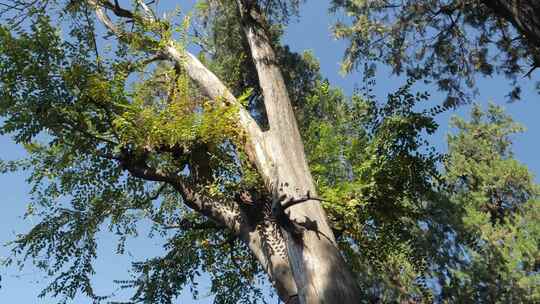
point(320, 272)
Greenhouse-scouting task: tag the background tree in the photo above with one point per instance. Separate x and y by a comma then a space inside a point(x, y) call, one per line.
point(497, 237)
point(145, 131)
point(447, 42)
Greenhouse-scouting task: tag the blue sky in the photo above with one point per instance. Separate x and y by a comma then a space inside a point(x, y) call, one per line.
point(310, 33)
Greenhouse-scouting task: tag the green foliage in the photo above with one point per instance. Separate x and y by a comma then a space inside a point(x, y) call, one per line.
point(372, 164)
point(177, 120)
point(497, 238)
point(79, 114)
point(448, 42)
point(233, 273)
point(405, 225)
point(409, 221)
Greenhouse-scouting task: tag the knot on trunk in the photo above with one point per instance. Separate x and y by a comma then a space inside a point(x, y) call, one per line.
point(295, 228)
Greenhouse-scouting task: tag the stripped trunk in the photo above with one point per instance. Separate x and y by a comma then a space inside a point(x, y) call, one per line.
point(319, 270)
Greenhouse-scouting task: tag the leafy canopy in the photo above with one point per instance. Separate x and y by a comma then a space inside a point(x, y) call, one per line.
point(103, 125)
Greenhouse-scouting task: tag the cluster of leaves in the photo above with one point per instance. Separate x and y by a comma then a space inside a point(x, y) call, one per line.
point(493, 250)
point(447, 42)
point(154, 119)
point(416, 225)
point(79, 113)
point(372, 164)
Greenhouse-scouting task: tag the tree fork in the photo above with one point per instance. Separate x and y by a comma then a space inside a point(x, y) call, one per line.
point(319, 270)
point(277, 268)
point(525, 16)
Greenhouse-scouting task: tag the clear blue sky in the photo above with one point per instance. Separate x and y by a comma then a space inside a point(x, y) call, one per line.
point(310, 33)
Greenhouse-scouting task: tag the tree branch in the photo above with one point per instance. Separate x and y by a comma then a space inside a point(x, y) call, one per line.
point(525, 16)
point(226, 213)
point(207, 81)
point(294, 201)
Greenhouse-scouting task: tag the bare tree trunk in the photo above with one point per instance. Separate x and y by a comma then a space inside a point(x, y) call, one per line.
point(319, 270)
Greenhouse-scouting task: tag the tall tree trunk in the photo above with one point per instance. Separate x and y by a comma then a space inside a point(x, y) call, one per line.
point(226, 214)
point(319, 270)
